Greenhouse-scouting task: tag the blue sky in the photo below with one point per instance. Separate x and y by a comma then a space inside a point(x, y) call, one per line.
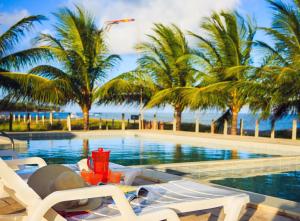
point(121, 39)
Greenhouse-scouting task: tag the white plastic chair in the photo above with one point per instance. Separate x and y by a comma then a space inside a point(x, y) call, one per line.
point(180, 196)
point(40, 210)
point(186, 196)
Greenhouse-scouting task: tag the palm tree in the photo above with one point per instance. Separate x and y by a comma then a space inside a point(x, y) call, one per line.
point(163, 66)
point(283, 67)
point(224, 56)
point(165, 58)
point(15, 85)
point(82, 56)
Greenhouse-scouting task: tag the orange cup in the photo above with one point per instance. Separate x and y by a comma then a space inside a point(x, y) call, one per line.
point(86, 176)
point(114, 177)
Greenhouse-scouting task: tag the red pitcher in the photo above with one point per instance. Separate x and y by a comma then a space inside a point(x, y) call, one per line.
point(100, 163)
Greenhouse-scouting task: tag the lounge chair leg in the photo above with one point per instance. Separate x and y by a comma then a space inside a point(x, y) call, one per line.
point(233, 209)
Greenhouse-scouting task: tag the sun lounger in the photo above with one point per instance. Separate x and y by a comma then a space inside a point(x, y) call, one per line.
point(159, 204)
point(40, 210)
point(185, 196)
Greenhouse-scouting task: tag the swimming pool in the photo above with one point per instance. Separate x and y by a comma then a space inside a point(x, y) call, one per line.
point(128, 151)
point(284, 185)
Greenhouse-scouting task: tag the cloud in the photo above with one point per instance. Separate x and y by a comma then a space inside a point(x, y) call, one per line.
point(187, 14)
point(10, 18)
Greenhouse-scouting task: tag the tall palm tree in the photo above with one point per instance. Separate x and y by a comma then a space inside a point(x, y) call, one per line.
point(283, 68)
point(163, 66)
point(12, 83)
point(224, 56)
point(165, 58)
point(82, 56)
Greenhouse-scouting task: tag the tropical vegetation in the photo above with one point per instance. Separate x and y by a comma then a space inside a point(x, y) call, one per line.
point(281, 71)
point(164, 64)
point(218, 72)
point(224, 57)
point(79, 48)
point(15, 85)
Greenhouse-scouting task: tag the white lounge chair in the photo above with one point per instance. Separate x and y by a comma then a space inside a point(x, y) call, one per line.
point(185, 196)
point(40, 210)
point(179, 196)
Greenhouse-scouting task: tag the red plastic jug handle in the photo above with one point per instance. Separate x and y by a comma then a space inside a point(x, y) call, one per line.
point(89, 163)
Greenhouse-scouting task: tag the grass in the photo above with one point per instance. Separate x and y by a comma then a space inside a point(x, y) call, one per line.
point(77, 124)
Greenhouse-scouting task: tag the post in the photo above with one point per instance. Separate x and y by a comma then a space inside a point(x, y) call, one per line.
point(140, 122)
point(123, 121)
point(30, 117)
point(197, 126)
point(225, 129)
point(162, 126)
point(28, 121)
point(241, 127)
point(37, 118)
point(14, 117)
point(294, 131)
point(24, 118)
point(100, 124)
point(174, 124)
point(19, 117)
point(273, 131)
point(257, 128)
point(51, 118)
point(10, 121)
point(69, 126)
point(112, 123)
point(106, 125)
point(212, 126)
point(154, 125)
point(43, 119)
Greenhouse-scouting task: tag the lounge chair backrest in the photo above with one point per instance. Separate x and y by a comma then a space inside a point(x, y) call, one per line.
point(16, 187)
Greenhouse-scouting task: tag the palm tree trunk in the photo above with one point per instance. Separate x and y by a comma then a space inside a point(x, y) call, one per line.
point(235, 112)
point(178, 113)
point(86, 118)
point(85, 149)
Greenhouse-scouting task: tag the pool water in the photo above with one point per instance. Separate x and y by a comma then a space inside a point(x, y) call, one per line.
point(282, 185)
point(128, 151)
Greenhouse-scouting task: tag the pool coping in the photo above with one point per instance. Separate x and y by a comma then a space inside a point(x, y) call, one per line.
point(168, 132)
point(212, 140)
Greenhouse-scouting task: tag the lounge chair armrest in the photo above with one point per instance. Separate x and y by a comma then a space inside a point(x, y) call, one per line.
point(14, 164)
point(83, 193)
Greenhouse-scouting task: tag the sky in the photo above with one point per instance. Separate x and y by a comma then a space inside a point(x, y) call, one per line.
point(122, 38)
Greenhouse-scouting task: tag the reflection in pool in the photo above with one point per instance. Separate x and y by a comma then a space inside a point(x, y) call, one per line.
point(283, 185)
point(128, 151)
